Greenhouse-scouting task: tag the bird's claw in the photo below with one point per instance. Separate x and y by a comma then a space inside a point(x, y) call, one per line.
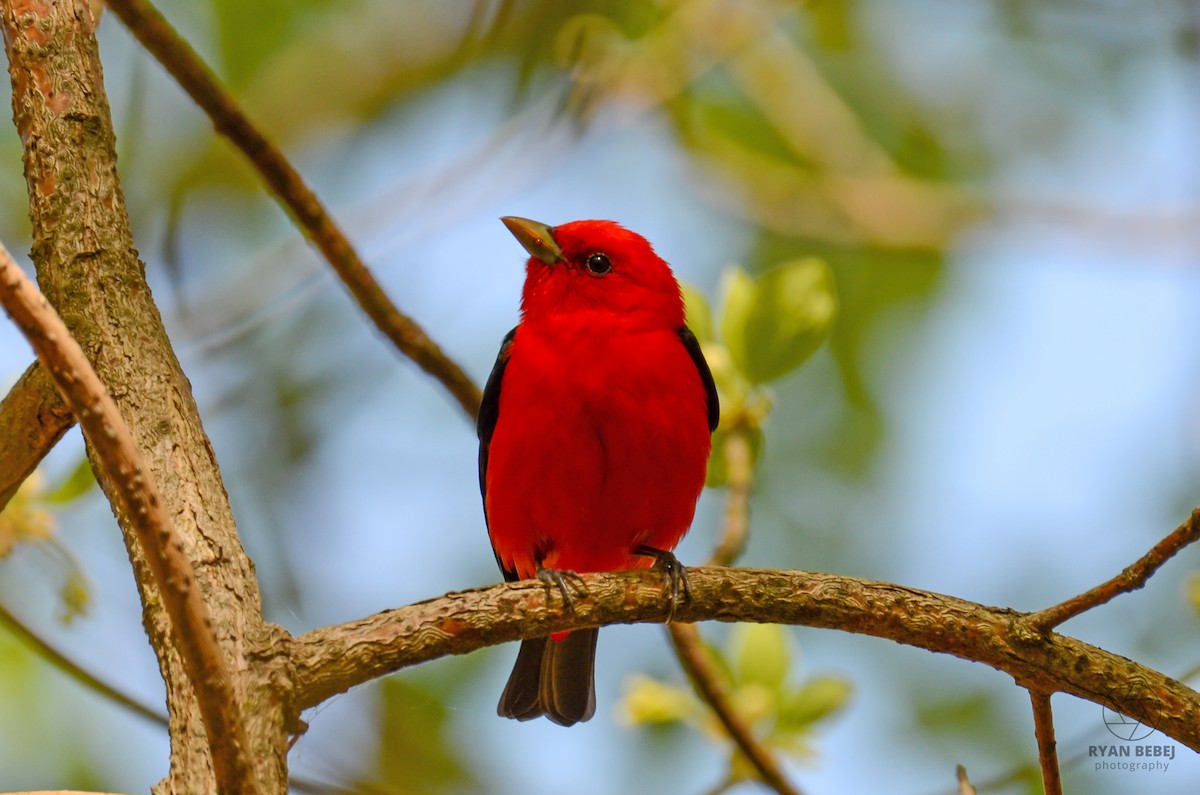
point(557, 578)
point(676, 573)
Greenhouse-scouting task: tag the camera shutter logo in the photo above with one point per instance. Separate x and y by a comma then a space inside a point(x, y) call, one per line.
point(1127, 712)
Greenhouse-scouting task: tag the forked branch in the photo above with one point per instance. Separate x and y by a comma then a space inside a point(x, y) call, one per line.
point(1130, 579)
point(136, 496)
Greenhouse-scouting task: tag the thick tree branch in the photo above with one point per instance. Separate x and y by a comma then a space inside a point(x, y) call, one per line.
point(89, 271)
point(1132, 578)
point(136, 497)
point(1043, 729)
point(334, 659)
point(33, 417)
point(289, 188)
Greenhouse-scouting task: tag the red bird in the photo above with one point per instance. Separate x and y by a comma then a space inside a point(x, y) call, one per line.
point(594, 434)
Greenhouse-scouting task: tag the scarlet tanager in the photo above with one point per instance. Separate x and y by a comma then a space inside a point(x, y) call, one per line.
point(594, 435)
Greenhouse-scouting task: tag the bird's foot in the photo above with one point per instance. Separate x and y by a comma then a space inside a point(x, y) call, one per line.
point(557, 578)
point(676, 573)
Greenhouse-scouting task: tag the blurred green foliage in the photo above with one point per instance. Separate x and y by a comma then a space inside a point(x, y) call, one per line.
point(25, 518)
point(770, 325)
point(29, 519)
point(757, 670)
point(413, 755)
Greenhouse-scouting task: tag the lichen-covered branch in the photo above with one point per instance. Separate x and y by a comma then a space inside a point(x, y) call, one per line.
point(334, 659)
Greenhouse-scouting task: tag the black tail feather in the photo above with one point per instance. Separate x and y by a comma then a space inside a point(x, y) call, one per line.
point(553, 678)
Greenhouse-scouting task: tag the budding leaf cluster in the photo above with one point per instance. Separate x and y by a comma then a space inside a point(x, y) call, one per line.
point(768, 327)
point(755, 670)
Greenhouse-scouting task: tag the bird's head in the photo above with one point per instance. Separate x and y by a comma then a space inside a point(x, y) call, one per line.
point(587, 268)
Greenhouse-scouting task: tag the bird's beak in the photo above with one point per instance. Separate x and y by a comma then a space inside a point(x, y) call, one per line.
point(537, 238)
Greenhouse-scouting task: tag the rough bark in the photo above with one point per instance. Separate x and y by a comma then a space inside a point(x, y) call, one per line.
point(333, 659)
point(33, 418)
point(135, 496)
point(88, 269)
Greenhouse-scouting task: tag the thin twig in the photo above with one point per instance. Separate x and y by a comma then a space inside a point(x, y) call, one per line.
point(1132, 578)
point(1020, 772)
point(739, 485)
point(136, 497)
point(964, 784)
point(1043, 729)
point(87, 679)
point(74, 670)
point(686, 640)
point(290, 189)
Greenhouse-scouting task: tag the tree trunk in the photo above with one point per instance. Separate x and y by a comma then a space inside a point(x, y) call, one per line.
point(88, 269)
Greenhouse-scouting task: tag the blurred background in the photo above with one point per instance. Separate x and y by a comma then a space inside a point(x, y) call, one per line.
point(1008, 409)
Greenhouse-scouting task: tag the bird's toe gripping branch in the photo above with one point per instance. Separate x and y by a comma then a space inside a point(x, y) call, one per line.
point(676, 573)
point(557, 578)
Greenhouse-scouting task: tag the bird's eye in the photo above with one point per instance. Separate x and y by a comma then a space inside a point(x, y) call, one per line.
point(599, 264)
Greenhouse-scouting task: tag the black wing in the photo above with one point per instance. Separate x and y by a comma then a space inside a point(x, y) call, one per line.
point(489, 412)
point(710, 388)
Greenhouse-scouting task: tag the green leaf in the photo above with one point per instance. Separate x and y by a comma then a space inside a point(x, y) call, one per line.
point(699, 314)
point(730, 385)
point(760, 655)
point(73, 486)
point(588, 41)
point(772, 324)
point(818, 698)
point(740, 293)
